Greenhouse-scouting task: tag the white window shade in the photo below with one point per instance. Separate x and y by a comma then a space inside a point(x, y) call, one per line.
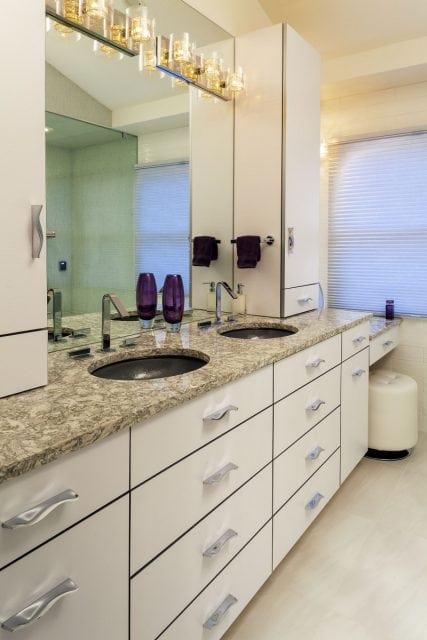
point(378, 224)
point(163, 221)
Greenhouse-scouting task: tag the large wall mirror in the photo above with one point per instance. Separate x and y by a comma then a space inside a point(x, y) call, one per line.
point(138, 165)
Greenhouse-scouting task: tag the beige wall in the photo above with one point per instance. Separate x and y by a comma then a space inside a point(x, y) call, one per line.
point(235, 16)
point(391, 110)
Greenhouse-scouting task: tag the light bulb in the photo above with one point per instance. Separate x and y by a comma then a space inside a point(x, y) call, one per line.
point(139, 27)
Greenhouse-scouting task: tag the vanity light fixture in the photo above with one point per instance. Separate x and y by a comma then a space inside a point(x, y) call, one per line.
point(139, 27)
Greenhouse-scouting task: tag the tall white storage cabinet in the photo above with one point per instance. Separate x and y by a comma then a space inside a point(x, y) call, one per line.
point(277, 169)
point(23, 335)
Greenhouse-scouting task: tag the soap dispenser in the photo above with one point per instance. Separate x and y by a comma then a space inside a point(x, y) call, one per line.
point(211, 302)
point(239, 305)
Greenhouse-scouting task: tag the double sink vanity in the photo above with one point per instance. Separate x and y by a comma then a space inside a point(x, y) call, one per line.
point(170, 525)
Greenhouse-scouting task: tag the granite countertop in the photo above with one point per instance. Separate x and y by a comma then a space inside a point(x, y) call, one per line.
point(76, 408)
point(379, 325)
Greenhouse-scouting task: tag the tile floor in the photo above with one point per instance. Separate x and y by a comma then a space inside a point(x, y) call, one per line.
point(360, 571)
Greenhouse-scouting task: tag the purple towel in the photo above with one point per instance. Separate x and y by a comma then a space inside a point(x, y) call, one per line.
point(205, 249)
point(248, 251)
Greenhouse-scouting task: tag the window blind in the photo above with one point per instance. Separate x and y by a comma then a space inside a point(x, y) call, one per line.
point(163, 221)
point(378, 224)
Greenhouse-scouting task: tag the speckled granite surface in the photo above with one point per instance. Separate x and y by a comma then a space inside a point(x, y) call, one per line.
point(76, 408)
point(378, 325)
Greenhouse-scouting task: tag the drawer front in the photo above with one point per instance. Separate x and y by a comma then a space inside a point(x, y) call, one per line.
point(301, 411)
point(155, 444)
point(296, 516)
point(355, 339)
point(303, 367)
point(94, 555)
point(384, 343)
point(76, 473)
point(164, 588)
point(301, 299)
point(24, 362)
point(354, 411)
point(169, 504)
point(227, 595)
point(293, 467)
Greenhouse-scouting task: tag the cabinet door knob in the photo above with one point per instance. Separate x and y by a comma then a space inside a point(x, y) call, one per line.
point(37, 235)
point(314, 502)
point(314, 406)
point(219, 476)
point(358, 373)
point(217, 546)
point(221, 413)
point(38, 608)
point(359, 339)
point(40, 511)
point(313, 455)
point(315, 363)
point(388, 343)
point(219, 613)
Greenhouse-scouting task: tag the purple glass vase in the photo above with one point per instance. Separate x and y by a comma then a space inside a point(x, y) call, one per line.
point(146, 299)
point(173, 301)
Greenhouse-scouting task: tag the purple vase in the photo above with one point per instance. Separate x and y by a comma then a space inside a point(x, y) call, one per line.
point(146, 299)
point(173, 301)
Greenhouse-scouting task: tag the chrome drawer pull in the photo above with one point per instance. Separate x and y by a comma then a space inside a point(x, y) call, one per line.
point(314, 502)
point(313, 455)
point(39, 607)
point(315, 363)
point(37, 230)
point(305, 300)
point(221, 413)
point(218, 614)
point(388, 343)
point(315, 405)
point(219, 476)
point(40, 511)
point(359, 339)
point(217, 546)
point(358, 373)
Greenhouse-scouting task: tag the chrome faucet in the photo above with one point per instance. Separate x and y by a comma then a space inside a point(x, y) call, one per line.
point(106, 317)
point(56, 313)
point(230, 292)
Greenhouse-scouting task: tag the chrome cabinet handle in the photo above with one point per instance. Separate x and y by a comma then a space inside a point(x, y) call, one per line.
point(315, 363)
point(219, 476)
point(40, 511)
point(313, 455)
point(305, 300)
point(291, 239)
point(388, 343)
point(358, 373)
point(218, 614)
point(217, 546)
point(314, 502)
point(38, 608)
point(315, 405)
point(359, 339)
point(221, 413)
point(37, 236)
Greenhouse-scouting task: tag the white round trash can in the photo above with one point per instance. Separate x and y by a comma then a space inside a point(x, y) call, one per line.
point(393, 415)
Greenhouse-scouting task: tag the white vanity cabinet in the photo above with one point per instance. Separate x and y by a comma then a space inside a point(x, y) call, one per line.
point(23, 338)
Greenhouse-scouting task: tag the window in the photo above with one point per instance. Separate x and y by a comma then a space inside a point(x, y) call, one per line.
point(163, 221)
point(378, 224)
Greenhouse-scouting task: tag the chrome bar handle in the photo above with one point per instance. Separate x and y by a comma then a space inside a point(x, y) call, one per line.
point(315, 363)
point(219, 476)
point(38, 608)
point(359, 339)
point(314, 406)
point(37, 230)
point(291, 239)
point(217, 616)
point(314, 502)
point(217, 546)
point(305, 300)
point(358, 373)
point(40, 511)
point(221, 413)
point(313, 455)
point(388, 343)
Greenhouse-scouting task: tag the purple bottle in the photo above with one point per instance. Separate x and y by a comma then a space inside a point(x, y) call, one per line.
point(173, 301)
point(146, 299)
point(389, 309)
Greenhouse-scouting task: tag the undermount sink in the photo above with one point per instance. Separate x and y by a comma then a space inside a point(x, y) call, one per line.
point(150, 367)
point(259, 333)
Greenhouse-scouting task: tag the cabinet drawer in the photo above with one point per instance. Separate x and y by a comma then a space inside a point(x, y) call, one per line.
point(355, 339)
point(227, 595)
point(168, 505)
point(164, 588)
point(94, 555)
point(303, 367)
point(155, 443)
point(24, 362)
point(354, 411)
point(78, 472)
point(301, 299)
point(384, 343)
point(293, 467)
point(296, 516)
point(299, 412)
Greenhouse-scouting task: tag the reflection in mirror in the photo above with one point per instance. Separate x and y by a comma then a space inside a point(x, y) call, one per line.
point(118, 194)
